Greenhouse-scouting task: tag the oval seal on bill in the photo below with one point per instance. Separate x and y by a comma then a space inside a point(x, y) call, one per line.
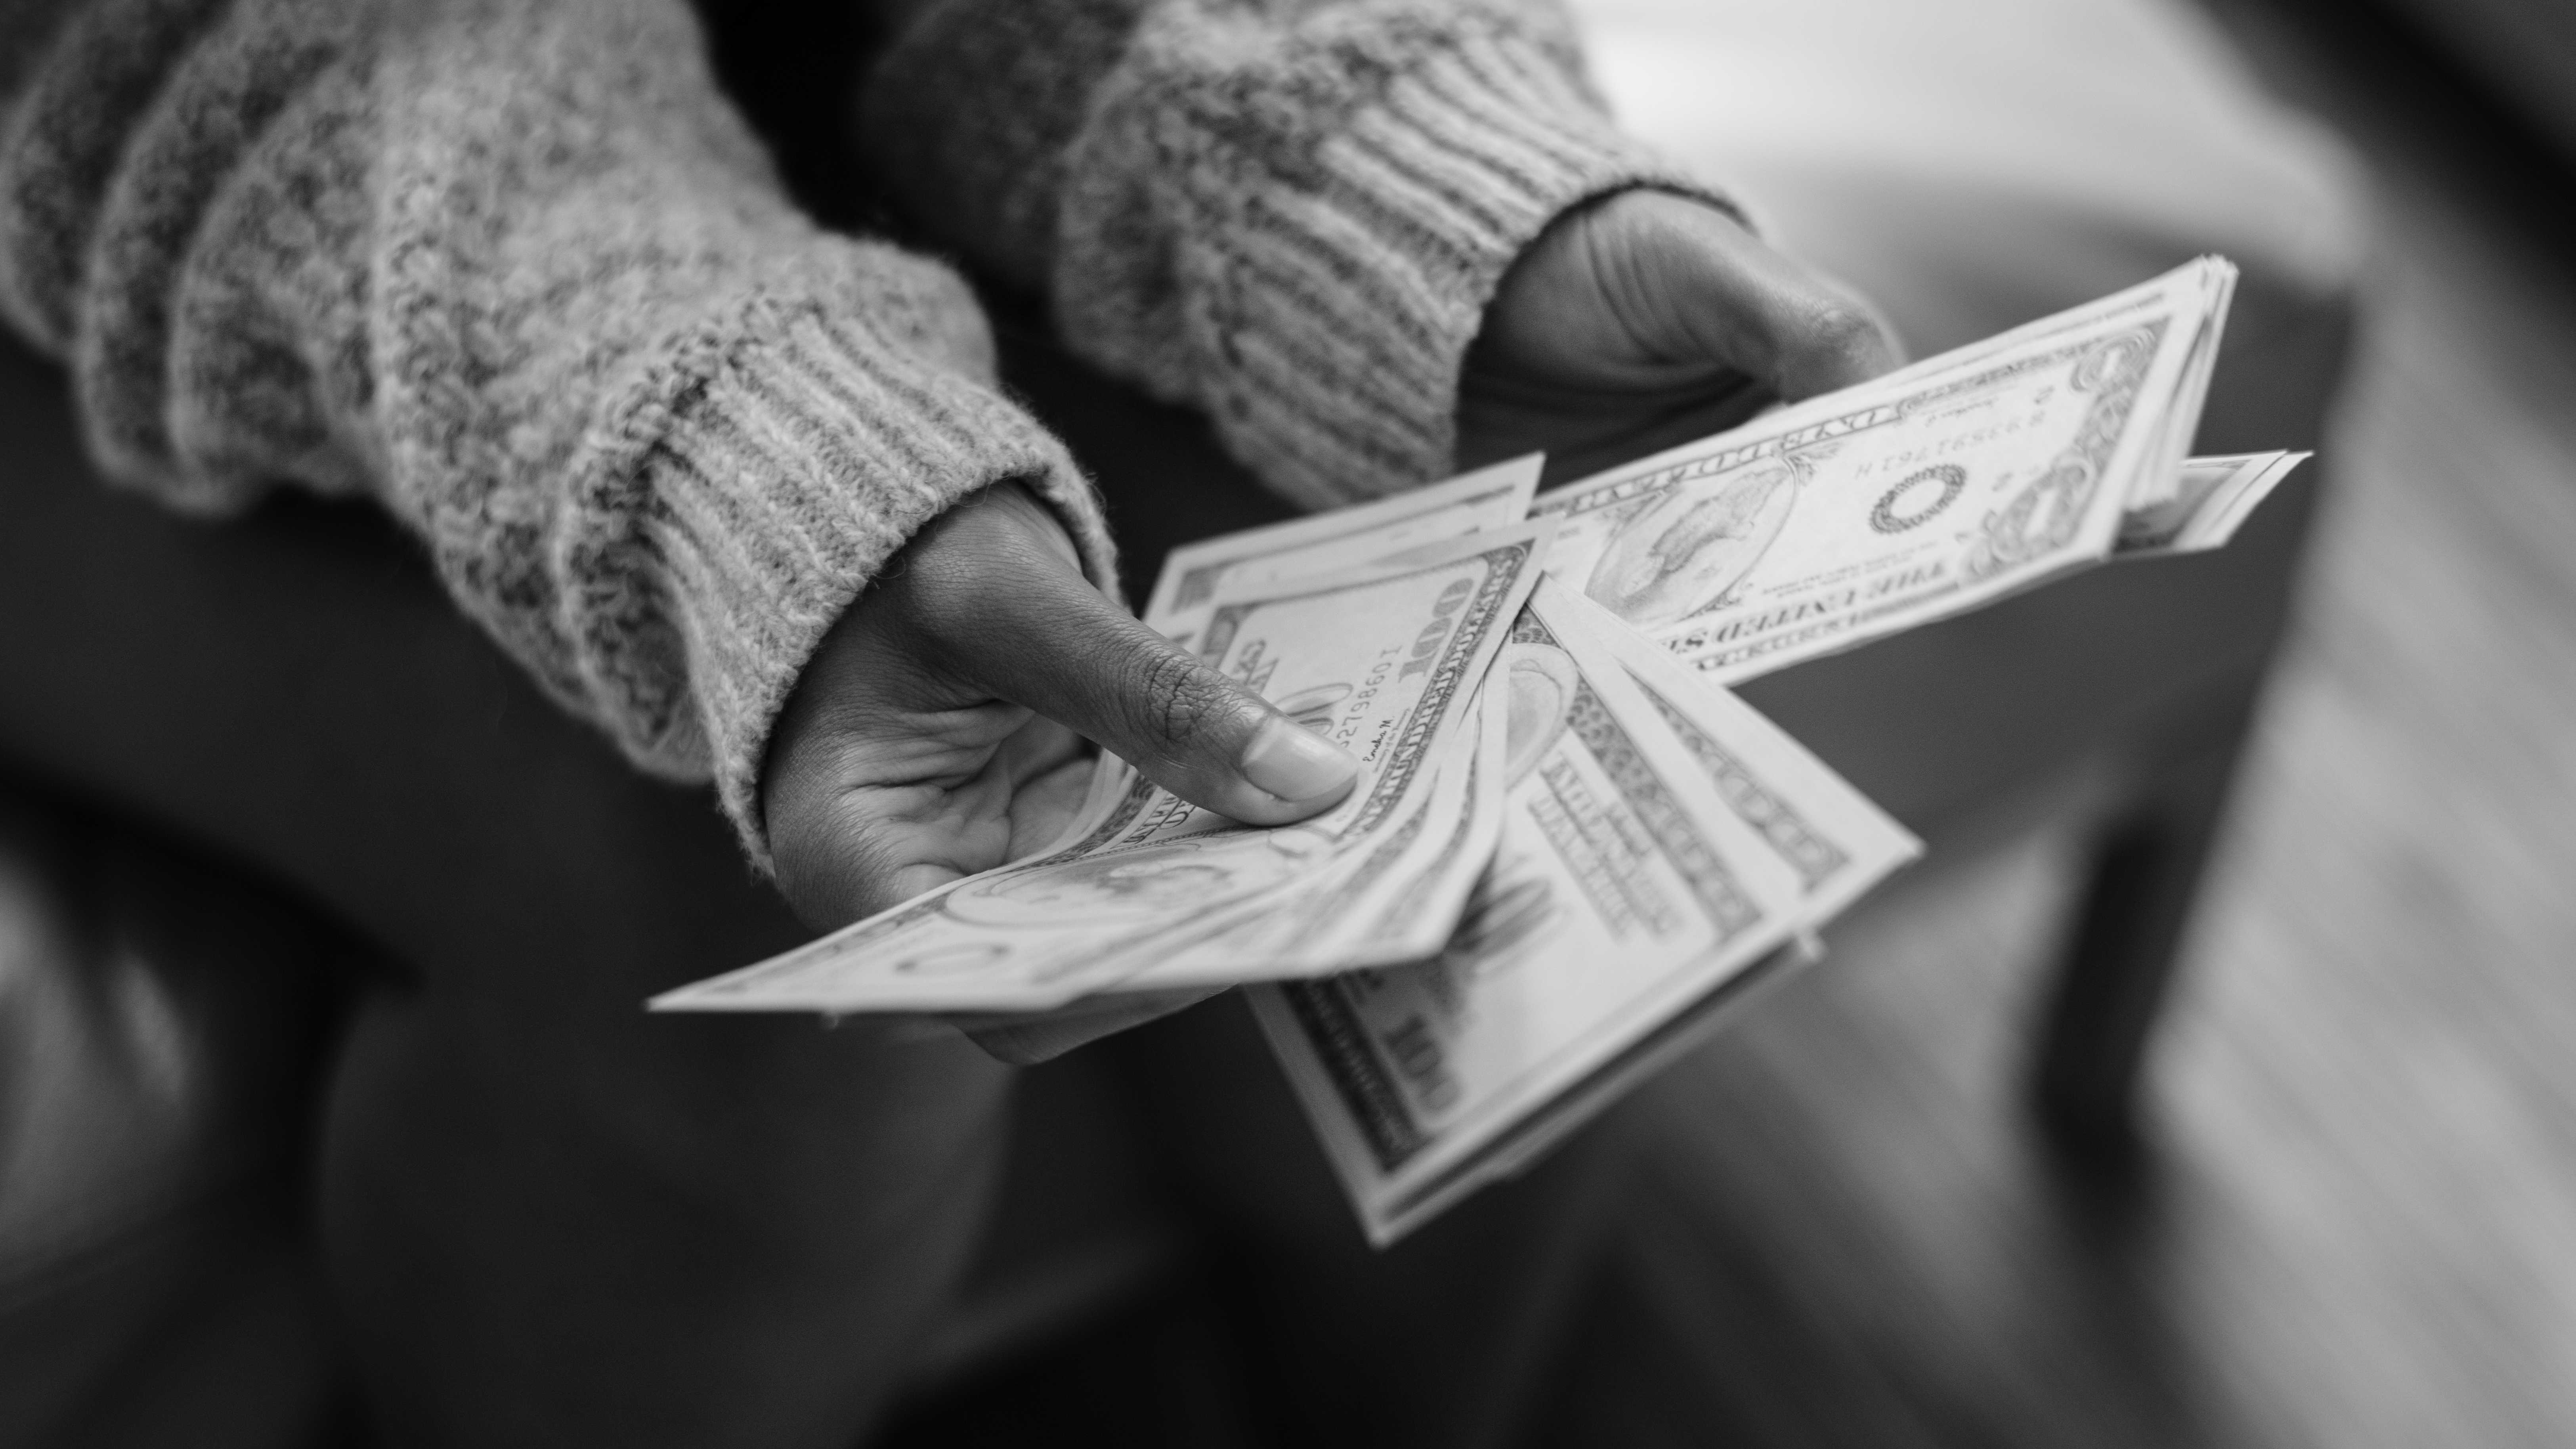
point(1913, 503)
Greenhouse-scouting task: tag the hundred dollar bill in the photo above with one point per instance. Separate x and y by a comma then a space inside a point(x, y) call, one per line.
point(1185, 592)
point(1624, 892)
point(1383, 660)
point(1836, 840)
point(1676, 1037)
point(1406, 908)
point(2213, 496)
point(1905, 499)
point(1832, 837)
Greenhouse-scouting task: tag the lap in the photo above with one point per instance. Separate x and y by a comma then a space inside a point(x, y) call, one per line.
point(294, 690)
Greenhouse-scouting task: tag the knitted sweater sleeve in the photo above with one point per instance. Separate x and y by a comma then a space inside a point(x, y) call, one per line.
point(514, 269)
point(1289, 213)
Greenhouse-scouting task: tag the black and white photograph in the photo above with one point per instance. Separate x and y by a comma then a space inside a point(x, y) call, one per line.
point(1247, 724)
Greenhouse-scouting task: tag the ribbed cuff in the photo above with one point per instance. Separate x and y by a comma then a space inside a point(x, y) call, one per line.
point(1328, 297)
point(777, 492)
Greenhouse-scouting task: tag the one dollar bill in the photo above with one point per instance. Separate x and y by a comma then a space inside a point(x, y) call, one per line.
point(1934, 489)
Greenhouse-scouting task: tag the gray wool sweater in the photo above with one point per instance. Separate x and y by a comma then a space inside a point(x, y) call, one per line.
point(515, 270)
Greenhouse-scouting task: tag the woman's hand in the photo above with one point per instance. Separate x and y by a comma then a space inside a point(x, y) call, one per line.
point(1648, 319)
point(938, 730)
point(938, 733)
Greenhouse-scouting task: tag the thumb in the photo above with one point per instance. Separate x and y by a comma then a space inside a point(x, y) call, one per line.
point(1186, 727)
point(1054, 643)
point(1735, 299)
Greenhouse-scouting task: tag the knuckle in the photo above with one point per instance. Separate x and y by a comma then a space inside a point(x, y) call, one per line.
point(966, 607)
point(940, 586)
point(1182, 699)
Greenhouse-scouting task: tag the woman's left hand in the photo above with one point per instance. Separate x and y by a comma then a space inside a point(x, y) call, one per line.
point(1645, 320)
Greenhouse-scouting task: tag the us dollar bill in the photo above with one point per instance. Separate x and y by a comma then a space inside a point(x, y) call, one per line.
point(1400, 902)
point(1383, 659)
point(1431, 863)
point(1626, 893)
point(1905, 499)
point(1572, 855)
point(2212, 496)
point(1834, 839)
point(1193, 575)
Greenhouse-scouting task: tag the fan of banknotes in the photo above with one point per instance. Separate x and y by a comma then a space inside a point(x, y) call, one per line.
point(1572, 852)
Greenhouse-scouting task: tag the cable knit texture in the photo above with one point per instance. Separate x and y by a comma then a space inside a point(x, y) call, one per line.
point(514, 269)
point(1291, 215)
point(517, 271)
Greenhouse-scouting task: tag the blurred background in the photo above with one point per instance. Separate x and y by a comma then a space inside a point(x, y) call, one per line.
point(2328, 778)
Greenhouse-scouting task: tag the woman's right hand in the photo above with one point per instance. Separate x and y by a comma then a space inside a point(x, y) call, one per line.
point(938, 732)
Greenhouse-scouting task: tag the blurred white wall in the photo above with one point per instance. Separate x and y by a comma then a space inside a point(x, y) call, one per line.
point(1974, 163)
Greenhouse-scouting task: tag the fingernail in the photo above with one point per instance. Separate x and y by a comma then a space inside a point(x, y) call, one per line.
point(1295, 764)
